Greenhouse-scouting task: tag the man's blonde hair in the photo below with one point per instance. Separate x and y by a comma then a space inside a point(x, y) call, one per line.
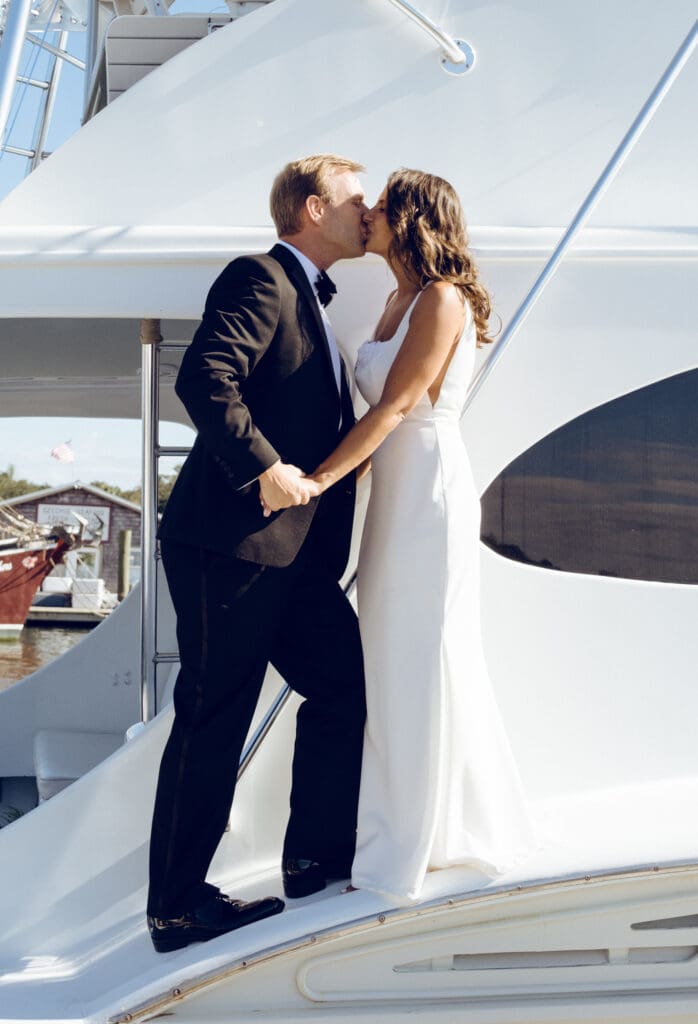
point(300, 179)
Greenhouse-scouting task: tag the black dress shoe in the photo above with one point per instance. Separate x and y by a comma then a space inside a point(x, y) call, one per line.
point(303, 877)
point(216, 916)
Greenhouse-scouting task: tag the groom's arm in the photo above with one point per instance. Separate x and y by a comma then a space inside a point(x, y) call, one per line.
point(238, 325)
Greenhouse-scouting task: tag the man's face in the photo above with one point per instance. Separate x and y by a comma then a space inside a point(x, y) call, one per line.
point(343, 224)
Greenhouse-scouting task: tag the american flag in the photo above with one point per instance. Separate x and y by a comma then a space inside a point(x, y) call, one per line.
point(63, 452)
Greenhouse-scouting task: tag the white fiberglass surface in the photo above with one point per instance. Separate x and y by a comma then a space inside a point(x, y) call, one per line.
point(93, 687)
point(74, 940)
point(594, 676)
point(599, 331)
point(553, 90)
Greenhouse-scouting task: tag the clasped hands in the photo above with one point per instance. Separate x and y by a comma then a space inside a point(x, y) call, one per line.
point(284, 485)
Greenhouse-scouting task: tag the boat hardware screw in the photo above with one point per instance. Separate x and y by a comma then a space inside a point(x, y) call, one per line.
point(381, 919)
point(244, 963)
point(587, 878)
point(176, 991)
point(313, 938)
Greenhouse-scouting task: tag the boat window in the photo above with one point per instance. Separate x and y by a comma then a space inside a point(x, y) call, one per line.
point(612, 493)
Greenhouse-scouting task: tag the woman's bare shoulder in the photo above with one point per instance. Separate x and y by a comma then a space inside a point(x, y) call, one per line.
point(439, 298)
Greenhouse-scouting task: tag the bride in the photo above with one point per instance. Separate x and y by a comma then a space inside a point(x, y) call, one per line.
point(439, 785)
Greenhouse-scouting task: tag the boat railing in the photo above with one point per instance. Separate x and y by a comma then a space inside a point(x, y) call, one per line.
point(458, 56)
point(600, 187)
point(275, 709)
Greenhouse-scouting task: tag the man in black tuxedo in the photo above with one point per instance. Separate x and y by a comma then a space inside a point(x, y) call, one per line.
point(264, 385)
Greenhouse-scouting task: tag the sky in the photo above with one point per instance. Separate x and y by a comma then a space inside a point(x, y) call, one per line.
point(106, 450)
point(69, 98)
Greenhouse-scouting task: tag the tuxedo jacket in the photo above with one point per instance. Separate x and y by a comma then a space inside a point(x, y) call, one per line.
point(258, 384)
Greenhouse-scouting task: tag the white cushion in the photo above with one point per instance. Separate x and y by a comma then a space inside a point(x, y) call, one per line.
point(61, 756)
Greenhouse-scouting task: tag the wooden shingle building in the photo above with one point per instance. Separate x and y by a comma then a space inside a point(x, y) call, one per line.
point(103, 511)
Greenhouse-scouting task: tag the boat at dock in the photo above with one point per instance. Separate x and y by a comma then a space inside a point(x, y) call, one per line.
point(27, 555)
point(565, 129)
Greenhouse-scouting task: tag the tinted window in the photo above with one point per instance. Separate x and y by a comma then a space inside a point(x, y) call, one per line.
point(613, 493)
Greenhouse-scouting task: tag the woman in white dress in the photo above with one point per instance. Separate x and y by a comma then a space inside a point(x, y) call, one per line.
point(439, 786)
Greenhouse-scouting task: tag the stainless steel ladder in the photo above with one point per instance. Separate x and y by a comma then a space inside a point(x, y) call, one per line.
point(15, 33)
point(152, 346)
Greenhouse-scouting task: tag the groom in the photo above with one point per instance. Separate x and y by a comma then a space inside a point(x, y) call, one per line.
point(264, 385)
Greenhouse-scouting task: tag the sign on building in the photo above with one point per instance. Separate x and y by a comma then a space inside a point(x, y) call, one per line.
point(97, 516)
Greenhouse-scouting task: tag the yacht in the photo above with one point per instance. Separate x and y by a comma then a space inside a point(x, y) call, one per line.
point(566, 129)
point(28, 553)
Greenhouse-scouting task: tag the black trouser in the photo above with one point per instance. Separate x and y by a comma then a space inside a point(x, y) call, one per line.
point(233, 618)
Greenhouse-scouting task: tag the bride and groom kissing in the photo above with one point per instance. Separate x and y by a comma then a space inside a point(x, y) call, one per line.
point(401, 763)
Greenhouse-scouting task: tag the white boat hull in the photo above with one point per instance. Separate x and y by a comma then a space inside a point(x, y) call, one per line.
point(595, 676)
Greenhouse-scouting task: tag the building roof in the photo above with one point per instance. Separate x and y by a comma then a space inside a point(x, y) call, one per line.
point(76, 485)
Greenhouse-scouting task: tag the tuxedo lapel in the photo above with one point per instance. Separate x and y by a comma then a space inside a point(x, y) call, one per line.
point(348, 416)
point(299, 278)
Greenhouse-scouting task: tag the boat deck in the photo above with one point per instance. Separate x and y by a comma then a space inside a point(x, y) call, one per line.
point(110, 968)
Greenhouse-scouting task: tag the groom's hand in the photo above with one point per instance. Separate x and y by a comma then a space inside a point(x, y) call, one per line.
point(282, 486)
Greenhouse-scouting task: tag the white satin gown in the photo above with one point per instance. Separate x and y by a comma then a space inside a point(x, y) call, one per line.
point(439, 786)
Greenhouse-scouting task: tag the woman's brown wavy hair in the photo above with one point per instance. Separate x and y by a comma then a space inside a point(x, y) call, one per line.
point(430, 239)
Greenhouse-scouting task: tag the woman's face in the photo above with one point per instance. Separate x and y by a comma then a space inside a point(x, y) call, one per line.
point(379, 233)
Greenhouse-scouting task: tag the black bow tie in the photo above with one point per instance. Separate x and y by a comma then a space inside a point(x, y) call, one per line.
point(325, 288)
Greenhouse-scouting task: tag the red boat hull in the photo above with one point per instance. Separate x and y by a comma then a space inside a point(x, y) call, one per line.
point(22, 571)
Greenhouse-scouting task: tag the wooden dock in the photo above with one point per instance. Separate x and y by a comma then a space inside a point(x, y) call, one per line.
point(47, 615)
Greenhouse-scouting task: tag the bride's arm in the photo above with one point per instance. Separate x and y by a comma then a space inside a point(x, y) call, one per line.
point(435, 326)
point(363, 469)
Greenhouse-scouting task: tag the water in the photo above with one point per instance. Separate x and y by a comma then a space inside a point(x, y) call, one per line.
point(35, 647)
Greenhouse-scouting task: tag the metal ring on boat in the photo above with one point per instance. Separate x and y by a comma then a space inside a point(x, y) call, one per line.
point(465, 65)
point(458, 57)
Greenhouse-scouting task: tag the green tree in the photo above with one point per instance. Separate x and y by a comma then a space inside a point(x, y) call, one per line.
point(130, 494)
point(165, 484)
point(12, 487)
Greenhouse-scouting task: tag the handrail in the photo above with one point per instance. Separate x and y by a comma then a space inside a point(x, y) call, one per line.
point(602, 183)
point(447, 43)
point(275, 709)
point(16, 22)
point(55, 50)
point(150, 415)
point(273, 712)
